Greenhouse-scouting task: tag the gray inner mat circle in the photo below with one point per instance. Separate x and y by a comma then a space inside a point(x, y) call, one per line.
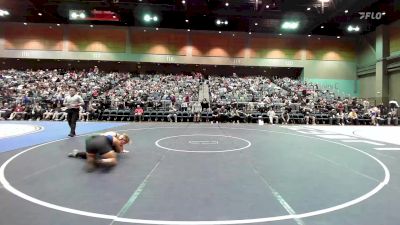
point(203, 142)
point(37, 128)
point(22, 195)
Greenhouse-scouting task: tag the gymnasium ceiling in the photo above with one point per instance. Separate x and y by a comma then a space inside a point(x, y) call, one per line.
point(256, 16)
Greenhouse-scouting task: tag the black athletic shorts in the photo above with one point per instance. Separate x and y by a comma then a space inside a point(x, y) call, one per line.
point(98, 144)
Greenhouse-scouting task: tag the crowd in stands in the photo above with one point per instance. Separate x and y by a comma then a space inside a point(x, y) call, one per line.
point(154, 90)
point(248, 89)
point(288, 100)
point(51, 86)
point(38, 95)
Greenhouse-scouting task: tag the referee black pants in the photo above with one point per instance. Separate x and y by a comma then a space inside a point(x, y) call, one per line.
point(72, 117)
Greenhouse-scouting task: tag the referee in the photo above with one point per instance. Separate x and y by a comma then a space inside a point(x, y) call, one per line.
point(73, 102)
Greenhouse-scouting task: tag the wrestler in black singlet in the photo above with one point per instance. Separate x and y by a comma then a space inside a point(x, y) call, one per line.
point(99, 144)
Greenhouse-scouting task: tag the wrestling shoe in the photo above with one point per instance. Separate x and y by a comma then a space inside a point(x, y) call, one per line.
point(73, 153)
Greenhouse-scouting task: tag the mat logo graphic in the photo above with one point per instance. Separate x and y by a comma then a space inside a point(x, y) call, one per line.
point(370, 15)
point(203, 142)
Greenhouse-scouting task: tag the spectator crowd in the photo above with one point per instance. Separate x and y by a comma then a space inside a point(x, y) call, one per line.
point(38, 95)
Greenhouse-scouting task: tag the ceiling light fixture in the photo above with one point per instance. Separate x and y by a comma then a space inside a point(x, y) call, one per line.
point(267, 6)
point(256, 24)
point(227, 4)
point(76, 14)
point(147, 18)
point(4, 12)
point(221, 22)
point(346, 11)
point(290, 25)
point(150, 18)
point(308, 9)
point(323, 5)
point(351, 28)
point(40, 14)
point(338, 37)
